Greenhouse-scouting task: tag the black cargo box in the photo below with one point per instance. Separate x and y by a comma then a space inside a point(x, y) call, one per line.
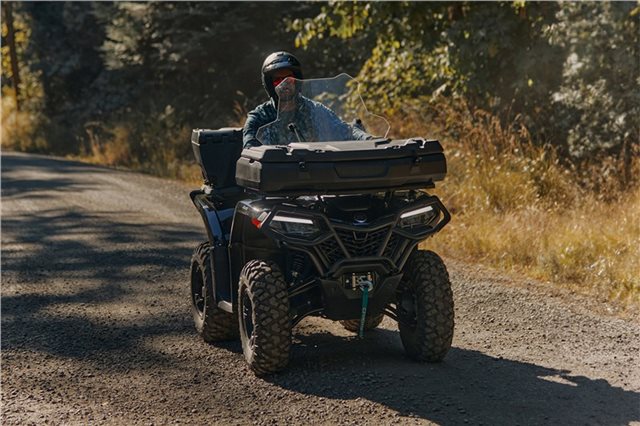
point(216, 152)
point(341, 167)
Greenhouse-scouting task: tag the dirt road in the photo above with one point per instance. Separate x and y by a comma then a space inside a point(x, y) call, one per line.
point(96, 329)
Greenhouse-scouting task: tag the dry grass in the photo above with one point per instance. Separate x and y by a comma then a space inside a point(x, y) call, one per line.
point(592, 249)
point(150, 144)
point(20, 128)
point(152, 148)
point(515, 206)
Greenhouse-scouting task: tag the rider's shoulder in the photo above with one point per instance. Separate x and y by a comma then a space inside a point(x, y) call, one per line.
point(267, 107)
point(316, 104)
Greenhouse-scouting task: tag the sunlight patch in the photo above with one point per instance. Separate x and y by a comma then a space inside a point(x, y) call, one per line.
point(558, 379)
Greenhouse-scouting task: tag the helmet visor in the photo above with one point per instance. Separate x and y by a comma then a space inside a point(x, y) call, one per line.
point(277, 80)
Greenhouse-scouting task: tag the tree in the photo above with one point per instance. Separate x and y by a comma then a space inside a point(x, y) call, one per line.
point(491, 53)
point(569, 71)
point(7, 9)
point(64, 50)
point(598, 102)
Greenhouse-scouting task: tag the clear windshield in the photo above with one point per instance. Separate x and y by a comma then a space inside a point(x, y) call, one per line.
point(321, 110)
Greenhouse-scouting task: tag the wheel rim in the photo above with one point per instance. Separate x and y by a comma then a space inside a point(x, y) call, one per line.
point(247, 317)
point(198, 291)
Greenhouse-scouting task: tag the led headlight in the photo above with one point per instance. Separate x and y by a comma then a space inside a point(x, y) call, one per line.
point(419, 217)
point(296, 227)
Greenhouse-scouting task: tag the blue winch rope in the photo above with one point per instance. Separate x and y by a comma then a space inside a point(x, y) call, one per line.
point(365, 287)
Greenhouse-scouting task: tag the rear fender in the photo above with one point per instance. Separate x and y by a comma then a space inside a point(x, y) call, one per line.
point(218, 225)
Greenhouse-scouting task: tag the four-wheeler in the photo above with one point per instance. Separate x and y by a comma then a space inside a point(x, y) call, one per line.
point(314, 222)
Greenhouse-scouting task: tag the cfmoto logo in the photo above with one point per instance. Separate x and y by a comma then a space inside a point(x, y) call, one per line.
point(360, 218)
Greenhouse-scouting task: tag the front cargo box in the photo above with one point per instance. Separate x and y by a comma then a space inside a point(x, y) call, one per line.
point(341, 167)
point(216, 152)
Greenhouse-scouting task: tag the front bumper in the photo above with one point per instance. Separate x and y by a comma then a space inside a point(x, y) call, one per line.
point(337, 245)
point(342, 303)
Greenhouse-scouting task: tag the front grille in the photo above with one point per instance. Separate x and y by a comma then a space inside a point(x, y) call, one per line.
point(392, 246)
point(363, 243)
point(359, 243)
point(331, 251)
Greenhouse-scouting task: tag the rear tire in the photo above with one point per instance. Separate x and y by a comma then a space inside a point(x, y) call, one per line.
point(263, 314)
point(369, 323)
point(425, 308)
point(212, 323)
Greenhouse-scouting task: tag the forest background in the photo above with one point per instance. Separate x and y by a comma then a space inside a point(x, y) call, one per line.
point(536, 103)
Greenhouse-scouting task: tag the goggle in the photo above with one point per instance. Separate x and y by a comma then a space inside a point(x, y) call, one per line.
point(277, 81)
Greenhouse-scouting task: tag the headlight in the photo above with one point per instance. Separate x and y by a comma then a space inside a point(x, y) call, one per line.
point(296, 227)
point(417, 218)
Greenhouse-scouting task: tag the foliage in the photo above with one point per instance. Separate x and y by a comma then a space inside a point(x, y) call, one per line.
point(485, 51)
point(63, 53)
point(106, 70)
point(23, 130)
point(598, 102)
point(569, 71)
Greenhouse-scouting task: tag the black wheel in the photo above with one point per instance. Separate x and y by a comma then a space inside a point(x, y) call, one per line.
point(212, 323)
point(263, 313)
point(369, 323)
point(425, 308)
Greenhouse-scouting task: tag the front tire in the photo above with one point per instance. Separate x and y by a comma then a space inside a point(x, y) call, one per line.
point(425, 308)
point(212, 323)
point(263, 314)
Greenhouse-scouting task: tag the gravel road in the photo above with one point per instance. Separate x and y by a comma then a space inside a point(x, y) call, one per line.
point(96, 329)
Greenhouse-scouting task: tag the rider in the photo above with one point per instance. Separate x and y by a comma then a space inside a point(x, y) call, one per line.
point(278, 73)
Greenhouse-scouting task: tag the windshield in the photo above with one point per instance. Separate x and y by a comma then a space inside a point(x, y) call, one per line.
point(321, 110)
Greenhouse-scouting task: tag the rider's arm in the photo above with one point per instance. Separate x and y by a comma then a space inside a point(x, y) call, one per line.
point(263, 114)
point(340, 129)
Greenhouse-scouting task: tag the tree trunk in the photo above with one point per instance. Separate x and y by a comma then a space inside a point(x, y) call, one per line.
point(13, 55)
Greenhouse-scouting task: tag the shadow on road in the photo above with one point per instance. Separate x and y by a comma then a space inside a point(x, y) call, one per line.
point(80, 262)
point(469, 387)
point(60, 178)
point(83, 285)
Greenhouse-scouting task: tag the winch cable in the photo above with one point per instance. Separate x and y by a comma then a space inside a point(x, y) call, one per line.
point(365, 286)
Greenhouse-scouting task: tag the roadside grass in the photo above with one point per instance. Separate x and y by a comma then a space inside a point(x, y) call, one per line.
point(592, 248)
point(156, 145)
point(517, 207)
point(20, 128)
point(148, 150)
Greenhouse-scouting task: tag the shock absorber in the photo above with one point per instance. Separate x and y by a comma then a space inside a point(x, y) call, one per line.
point(297, 265)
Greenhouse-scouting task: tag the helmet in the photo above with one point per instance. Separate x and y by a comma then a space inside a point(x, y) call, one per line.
point(277, 61)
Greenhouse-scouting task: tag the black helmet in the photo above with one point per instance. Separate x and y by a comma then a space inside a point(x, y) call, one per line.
point(277, 61)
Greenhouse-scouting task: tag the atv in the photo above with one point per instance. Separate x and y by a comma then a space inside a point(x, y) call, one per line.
point(323, 219)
